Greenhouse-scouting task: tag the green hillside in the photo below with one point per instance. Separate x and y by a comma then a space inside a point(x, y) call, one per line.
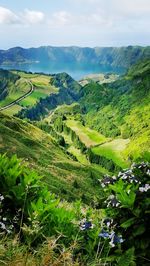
point(122, 108)
point(67, 92)
point(117, 110)
point(15, 84)
point(42, 153)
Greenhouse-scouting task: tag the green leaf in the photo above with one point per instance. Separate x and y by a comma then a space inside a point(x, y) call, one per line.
point(140, 230)
point(127, 258)
point(128, 223)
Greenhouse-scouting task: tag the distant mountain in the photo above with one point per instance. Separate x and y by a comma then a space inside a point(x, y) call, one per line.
point(119, 57)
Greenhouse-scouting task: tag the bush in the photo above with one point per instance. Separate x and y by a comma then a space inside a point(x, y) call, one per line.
point(128, 205)
point(27, 207)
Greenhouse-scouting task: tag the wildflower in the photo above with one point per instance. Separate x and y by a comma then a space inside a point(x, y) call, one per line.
point(145, 188)
point(85, 225)
point(148, 172)
point(142, 165)
point(108, 222)
point(112, 201)
point(1, 197)
point(107, 180)
point(114, 239)
point(3, 227)
point(104, 234)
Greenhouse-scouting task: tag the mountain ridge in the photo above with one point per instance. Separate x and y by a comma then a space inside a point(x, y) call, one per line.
point(111, 56)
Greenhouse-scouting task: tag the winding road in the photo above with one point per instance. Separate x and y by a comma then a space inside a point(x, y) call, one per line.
point(20, 98)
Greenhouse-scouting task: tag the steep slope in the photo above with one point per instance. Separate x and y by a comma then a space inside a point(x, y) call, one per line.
point(122, 109)
point(64, 176)
point(68, 93)
point(122, 57)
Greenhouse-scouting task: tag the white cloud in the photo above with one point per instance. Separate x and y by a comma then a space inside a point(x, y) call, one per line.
point(7, 16)
point(134, 8)
point(61, 18)
point(33, 17)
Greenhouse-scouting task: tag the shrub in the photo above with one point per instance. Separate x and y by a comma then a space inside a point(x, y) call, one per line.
point(128, 205)
point(27, 207)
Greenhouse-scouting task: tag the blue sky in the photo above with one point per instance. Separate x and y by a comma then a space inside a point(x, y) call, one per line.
point(74, 22)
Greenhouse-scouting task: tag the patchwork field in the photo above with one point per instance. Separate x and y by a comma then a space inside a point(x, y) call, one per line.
point(42, 88)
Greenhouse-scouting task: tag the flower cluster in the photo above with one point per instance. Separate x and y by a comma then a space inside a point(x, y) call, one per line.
point(114, 239)
point(1, 198)
point(144, 188)
point(85, 225)
point(107, 180)
point(108, 222)
point(128, 176)
point(141, 165)
point(7, 224)
point(112, 201)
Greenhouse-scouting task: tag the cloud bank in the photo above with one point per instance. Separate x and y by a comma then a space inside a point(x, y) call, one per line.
point(78, 22)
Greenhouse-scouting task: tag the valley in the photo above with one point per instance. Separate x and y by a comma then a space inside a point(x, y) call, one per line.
point(96, 128)
point(74, 155)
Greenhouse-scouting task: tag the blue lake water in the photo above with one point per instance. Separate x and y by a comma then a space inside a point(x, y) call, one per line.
point(75, 71)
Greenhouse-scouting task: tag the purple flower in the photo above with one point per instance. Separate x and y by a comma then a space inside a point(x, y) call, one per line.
point(85, 225)
point(104, 234)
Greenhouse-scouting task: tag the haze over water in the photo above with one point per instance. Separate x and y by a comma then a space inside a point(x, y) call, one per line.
point(75, 71)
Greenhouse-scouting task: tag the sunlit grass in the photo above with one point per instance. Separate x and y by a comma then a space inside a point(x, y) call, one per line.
point(77, 153)
point(87, 136)
point(113, 151)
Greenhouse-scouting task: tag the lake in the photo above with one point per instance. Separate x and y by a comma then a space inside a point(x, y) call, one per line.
point(75, 71)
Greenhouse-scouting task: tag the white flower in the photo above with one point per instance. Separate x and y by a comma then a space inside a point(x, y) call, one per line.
point(145, 188)
point(2, 226)
point(1, 197)
point(148, 172)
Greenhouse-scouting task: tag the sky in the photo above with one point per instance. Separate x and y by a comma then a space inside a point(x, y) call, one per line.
point(90, 23)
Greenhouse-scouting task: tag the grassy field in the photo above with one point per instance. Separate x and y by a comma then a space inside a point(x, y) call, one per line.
point(80, 156)
point(87, 136)
point(17, 90)
point(113, 150)
point(12, 110)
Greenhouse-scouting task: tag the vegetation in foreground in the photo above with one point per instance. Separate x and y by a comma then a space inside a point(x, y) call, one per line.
point(38, 228)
